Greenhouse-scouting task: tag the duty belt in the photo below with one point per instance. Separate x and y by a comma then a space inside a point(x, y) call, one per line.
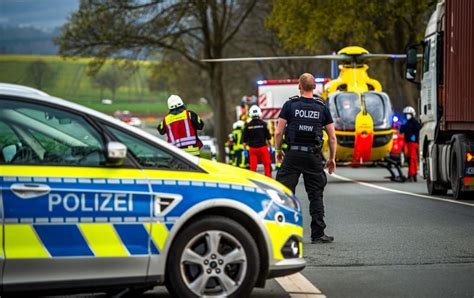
point(303, 148)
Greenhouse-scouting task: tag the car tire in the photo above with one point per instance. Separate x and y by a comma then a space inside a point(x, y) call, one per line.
point(213, 256)
point(457, 167)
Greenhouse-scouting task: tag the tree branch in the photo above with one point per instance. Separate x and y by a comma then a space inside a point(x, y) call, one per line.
point(239, 23)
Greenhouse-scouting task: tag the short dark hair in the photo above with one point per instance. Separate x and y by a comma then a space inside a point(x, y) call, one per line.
point(307, 82)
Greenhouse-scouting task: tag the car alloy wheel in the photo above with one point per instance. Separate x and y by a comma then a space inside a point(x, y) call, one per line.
point(213, 263)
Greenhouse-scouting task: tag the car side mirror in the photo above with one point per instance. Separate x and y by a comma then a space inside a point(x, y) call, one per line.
point(411, 63)
point(116, 153)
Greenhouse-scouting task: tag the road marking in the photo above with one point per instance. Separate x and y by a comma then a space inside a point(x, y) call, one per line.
point(296, 285)
point(400, 191)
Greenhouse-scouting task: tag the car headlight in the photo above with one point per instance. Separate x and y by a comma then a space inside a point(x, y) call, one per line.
point(278, 195)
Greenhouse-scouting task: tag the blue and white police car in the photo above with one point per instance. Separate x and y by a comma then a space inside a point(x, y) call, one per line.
point(88, 203)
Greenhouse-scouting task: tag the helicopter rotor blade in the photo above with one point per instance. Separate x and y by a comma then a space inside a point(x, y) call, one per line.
point(241, 59)
point(381, 56)
point(343, 57)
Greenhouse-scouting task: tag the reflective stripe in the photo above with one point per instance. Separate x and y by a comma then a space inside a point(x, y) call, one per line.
point(63, 240)
point(1, 242)
point(21, 241)
point(186, 124)
point(192, 138)
point(159, 234)
point(134, 237)
point(185, 143)
point(170, 134)
point(103, 240)
point(192, 150)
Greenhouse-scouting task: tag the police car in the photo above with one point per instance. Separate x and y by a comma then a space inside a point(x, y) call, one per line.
point(89, 203)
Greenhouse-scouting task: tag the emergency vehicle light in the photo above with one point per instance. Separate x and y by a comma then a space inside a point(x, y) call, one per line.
point(469, 157)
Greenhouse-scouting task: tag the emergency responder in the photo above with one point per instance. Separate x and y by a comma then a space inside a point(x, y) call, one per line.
point(229, 148)
point(238, 144)
point(302, 119)
point(181, 126)
point(257, 136)
point(411, 129)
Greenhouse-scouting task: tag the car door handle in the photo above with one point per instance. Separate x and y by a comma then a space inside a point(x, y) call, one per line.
point(29, 191)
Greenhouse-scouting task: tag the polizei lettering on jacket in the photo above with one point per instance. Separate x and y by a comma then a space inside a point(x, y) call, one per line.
point(307, 114)
point(108, 202)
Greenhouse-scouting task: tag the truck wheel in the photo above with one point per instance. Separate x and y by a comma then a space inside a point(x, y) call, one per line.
point(434, 188)
point(214, 256)
point(456, 170)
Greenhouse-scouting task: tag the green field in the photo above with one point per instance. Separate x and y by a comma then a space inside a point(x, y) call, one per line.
point(69, 80)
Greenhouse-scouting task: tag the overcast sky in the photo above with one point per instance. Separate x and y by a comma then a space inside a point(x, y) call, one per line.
point(45, 14)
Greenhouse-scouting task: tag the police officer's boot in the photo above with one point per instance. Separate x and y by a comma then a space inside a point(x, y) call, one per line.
point(323, 239)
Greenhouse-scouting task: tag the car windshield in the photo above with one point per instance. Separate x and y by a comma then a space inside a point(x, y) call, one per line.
point(344, 108)
point(378, 106)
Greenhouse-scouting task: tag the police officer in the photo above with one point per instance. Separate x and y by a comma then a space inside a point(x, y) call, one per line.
point(181, 126)
point(411, 130)
point(302, 119)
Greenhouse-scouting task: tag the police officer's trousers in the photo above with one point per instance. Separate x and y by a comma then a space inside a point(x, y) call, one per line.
point(311, 166)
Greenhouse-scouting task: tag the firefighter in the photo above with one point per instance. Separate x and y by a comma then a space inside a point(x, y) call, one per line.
point(181, 126)
point(239, 159)
point(229, 147)
point(302, 120)
point(411, 130)
point(257, 136)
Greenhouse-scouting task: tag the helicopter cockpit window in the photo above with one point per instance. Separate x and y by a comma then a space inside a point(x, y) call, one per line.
point(344, 108)
point(377, 104)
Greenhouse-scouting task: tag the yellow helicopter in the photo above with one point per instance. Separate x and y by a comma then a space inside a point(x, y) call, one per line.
point(361, 111)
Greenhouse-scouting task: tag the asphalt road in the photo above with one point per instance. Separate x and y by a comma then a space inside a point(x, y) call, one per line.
point(387, 243)
point(390, 244)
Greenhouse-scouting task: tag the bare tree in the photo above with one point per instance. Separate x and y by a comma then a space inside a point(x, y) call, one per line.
point(195, 29)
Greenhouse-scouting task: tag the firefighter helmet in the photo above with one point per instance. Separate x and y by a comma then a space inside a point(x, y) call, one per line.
point(174, 101)
point(409, 110)
point(255, 111)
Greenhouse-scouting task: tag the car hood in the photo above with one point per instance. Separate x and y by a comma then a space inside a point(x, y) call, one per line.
point(227, 171)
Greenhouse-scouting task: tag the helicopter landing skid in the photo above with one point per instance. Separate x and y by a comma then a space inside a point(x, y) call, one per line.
point(390, 165)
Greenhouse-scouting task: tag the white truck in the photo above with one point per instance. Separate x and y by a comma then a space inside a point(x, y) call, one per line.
point(447, 99)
